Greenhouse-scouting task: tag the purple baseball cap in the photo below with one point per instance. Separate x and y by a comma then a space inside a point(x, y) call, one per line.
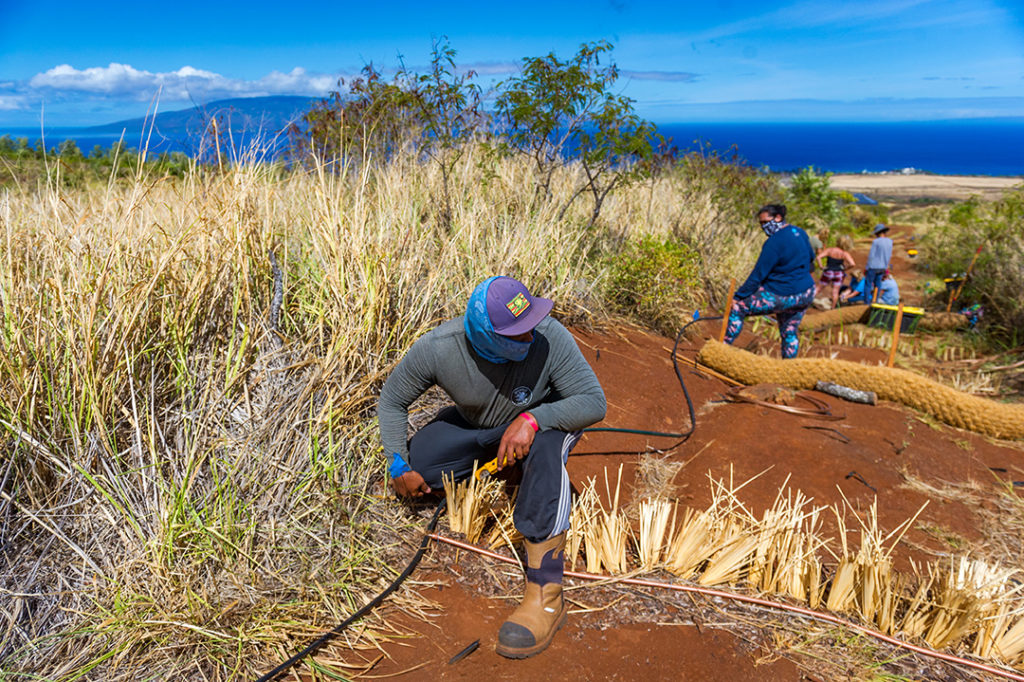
point(511, 308)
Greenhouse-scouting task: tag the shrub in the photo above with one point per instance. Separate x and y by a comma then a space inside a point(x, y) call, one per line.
point(716, 200)
point(814, 205)
point(654, 280)
point(998, 276)
point(864, 218)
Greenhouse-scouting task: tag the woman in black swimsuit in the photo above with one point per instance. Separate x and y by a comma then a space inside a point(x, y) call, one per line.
point(834, 269)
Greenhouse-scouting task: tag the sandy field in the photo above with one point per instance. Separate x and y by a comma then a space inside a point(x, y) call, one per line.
point(930, 186)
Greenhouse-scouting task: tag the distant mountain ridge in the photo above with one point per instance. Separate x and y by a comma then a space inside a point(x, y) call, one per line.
point(268, 114)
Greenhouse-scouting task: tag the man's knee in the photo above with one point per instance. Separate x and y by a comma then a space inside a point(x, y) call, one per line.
point(553, 445)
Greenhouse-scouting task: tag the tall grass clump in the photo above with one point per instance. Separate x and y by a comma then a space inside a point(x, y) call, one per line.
point(188, 374)
point(998, 275)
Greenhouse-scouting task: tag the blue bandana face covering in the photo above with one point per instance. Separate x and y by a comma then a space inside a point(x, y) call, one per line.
point(487, 343)
point(771, 227)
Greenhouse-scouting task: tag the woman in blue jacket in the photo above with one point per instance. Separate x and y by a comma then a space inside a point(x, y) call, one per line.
point(780, 283)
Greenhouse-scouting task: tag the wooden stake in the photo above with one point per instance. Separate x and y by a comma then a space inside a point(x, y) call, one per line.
point(954, 295)
point(728, 308)
point(895, 335)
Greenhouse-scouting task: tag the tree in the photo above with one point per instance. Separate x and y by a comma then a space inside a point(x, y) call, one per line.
point(371, 121)
point(449, 110)
point(554, 108)
point(68, 149)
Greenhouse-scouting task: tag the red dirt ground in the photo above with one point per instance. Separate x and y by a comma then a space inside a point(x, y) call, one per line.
point(887, 444)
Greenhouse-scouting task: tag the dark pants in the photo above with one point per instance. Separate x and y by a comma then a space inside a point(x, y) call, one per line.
point(872, 280)
point(788, 310)
point(450, 445)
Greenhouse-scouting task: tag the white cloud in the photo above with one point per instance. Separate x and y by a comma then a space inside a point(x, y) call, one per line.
point(11, 103)
point(491, 68)
point(123, 80)
point(670, 76)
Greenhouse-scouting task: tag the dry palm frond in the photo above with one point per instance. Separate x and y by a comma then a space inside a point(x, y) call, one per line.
point(914, 622)
point(584, 509)
point(469, 504)
point(785, 559)
point(655, 515)
point(842, 593)
point(692, 544)
point(965, 593)
point(1009, 646)
point(610, 531)
point(605, 532)
point(734, 549)
point(504, 532)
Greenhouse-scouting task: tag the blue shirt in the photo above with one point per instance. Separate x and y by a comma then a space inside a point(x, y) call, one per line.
point(784, 266)
point(880, 254)
point(889, 292)
point(859, 288)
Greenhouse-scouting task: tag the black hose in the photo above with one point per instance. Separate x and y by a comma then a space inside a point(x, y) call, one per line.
point(372, 604)
point(686, 394)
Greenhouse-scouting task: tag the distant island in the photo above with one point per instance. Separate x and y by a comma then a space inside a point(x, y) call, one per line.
point(268, 114)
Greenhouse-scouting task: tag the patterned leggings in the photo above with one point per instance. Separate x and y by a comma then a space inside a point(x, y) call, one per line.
point(788, 310)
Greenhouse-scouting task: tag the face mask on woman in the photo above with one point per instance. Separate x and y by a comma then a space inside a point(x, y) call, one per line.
point(770, 227)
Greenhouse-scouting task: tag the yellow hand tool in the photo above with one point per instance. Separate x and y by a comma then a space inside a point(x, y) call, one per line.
point(485, 471)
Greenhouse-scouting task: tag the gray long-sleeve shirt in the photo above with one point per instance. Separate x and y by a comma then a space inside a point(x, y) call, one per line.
point(554, 383)
point(880, 254)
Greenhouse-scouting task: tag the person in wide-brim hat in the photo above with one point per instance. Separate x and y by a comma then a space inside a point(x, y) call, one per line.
point(879, 259)
point(523, 392)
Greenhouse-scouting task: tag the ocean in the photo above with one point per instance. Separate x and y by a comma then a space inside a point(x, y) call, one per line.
point(86, 140)
point(942, 147)
point(966, 147)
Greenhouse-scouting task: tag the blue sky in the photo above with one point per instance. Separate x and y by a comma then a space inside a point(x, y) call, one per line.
point(79, 63)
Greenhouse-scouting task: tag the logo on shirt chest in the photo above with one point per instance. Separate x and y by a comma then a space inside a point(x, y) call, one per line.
point(522, 395)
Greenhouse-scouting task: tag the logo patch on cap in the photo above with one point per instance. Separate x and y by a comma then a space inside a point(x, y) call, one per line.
point(518, 305)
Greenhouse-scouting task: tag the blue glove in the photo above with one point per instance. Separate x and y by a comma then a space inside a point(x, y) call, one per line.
point(398, 466)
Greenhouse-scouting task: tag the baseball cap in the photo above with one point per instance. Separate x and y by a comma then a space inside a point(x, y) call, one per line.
point(511, 308)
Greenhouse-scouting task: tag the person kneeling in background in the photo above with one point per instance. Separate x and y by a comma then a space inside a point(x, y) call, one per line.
point(854, 291)
point(888, 290)
point(780, 282)
point(522, 391)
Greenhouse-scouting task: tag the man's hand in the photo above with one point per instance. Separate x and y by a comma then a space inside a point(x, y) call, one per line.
point(515, 443)
point(410, 484)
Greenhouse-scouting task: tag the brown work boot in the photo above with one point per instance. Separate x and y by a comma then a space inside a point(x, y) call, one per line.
point(531, 627)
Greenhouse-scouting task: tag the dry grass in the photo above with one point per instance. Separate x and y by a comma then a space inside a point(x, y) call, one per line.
point(605, 532)
point(471, 503)
point(954, 603)
point(193, 472)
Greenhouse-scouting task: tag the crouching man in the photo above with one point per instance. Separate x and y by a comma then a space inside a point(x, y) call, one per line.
point(522, 391)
